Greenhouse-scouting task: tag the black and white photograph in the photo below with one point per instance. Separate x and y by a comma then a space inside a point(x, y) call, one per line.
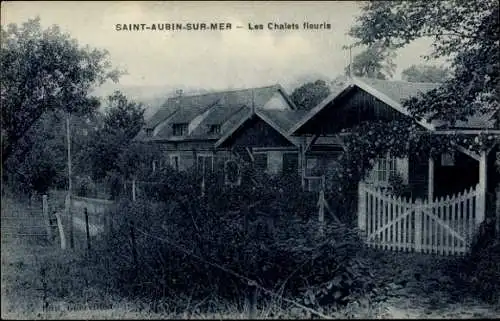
point(250, 160)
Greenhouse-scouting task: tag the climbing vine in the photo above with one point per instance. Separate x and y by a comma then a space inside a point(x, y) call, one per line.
point(368, 141)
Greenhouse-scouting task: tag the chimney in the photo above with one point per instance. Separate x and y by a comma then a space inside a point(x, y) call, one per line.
point(178, 92)
point(253, 101)
point(350, 61)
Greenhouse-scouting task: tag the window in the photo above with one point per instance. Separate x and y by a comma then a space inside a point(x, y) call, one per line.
point(149, 132)
point(383, 169)
point(214, 129)
point(205, 163)
point(270, 161)
point(311, 163)
point(447, 159)
point(174, 161)
point(274, 162)
point(290, 162)
point(260, 161)
point(313, 166)
point(180, 129)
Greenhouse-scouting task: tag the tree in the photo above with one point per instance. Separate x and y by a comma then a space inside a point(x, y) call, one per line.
point(466, 32)
point(44, 70)
point(40, 159)
point(425, 73)
point(374, 62)
point(310, 94)
point(121, 122)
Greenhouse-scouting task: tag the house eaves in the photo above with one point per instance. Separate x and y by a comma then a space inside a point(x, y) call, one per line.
point(266, 119)
point(348, 86)
point(315, 110)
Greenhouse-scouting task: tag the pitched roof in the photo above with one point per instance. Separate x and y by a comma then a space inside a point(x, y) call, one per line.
point(223, 108)
point(402, 90)
point(284, 119)
point(393, 93)
point(225, 117)
point(279, 120)
point(477, 121)
point(399, 90)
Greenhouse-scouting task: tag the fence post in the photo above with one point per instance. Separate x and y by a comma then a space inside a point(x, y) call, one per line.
point(45, 208)
point(252, 302)
point(321, 211)
point(85, 211)
point(497, 210)
point(418, 225)
point(61, 231)
point(481, 190)
point(251, 290)
point(303, 168)
point(134, 245)
point(133, 190)
point(203, 186)
point(361, 207)
point(69, 215)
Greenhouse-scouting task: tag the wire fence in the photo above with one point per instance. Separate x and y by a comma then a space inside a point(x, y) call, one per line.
point(25, 220)
point(244, 279)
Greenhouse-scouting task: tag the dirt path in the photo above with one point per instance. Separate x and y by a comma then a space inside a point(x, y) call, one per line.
point(419, 286)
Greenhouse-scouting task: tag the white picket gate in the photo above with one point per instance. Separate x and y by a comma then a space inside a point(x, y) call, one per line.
point(444, 226)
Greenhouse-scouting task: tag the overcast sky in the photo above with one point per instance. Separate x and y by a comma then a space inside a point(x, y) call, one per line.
point(211, 59)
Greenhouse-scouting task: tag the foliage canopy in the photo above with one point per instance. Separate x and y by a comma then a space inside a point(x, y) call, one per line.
point(45, 70)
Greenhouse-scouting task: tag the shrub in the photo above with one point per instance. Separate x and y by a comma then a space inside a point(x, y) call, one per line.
point(265, 230)
point(84, 186)
point(481, 268)
point(397, 184)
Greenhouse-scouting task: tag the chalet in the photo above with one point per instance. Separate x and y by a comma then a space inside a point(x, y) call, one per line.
point(461, 183)
point(364, 99)
point(262, 138)
point(191, 131)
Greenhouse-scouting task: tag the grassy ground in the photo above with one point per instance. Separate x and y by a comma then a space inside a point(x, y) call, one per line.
point(419, 286)
point(36, 274)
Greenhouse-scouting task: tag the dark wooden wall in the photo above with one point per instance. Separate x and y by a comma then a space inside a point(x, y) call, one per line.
point(349, 110)
point(256, 133)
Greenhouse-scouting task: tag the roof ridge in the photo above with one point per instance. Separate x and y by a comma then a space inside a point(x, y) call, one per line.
point(225, 91)
point(400, 81)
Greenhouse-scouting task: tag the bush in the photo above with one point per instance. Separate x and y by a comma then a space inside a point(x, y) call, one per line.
point(266, 230)
point(85, 187)
point(398, 186)
point(481, 268)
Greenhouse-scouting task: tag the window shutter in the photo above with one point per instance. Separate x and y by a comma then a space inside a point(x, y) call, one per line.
point(290, 162)
point(402, 168)
point(260, 161)
point(274, 162)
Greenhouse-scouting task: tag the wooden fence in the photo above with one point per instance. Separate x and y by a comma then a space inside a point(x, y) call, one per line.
point(443, 226)
point(91, 211)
